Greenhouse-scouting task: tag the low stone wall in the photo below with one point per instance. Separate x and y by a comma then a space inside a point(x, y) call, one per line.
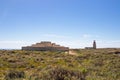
point(46, 48)
point(89, 48)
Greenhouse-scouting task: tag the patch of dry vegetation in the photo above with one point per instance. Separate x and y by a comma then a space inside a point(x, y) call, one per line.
point(101, 64)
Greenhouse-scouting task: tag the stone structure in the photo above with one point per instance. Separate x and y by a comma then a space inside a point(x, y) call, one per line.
point(45, 46)
point(88, 47)
point(94, 46)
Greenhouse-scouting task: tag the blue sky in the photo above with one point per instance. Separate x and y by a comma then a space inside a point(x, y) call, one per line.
point(73, 23)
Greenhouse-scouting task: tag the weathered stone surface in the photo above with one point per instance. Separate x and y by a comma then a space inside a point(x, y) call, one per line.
point(45, 46)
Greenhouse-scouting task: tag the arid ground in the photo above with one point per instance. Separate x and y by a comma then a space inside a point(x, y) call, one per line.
point(99, 64)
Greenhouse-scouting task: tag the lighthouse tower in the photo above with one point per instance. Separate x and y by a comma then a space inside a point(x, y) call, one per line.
point(94, 44)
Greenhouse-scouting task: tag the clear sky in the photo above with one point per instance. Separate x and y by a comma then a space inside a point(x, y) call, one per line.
point(72, 23)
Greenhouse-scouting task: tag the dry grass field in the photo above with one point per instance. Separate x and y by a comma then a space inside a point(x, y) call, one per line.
point(100, 64)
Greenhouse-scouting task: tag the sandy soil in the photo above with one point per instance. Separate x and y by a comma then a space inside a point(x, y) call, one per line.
point(72, 53)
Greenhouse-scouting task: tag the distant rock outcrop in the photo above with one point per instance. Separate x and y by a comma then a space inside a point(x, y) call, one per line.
point(45, 46)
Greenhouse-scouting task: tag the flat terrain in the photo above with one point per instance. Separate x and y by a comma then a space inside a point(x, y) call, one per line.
point(100, 64)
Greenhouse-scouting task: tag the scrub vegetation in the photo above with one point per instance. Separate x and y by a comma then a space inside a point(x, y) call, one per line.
point(99, 64)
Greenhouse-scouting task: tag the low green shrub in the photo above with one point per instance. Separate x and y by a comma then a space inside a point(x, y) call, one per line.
point(59, 73)
point(13, 74)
